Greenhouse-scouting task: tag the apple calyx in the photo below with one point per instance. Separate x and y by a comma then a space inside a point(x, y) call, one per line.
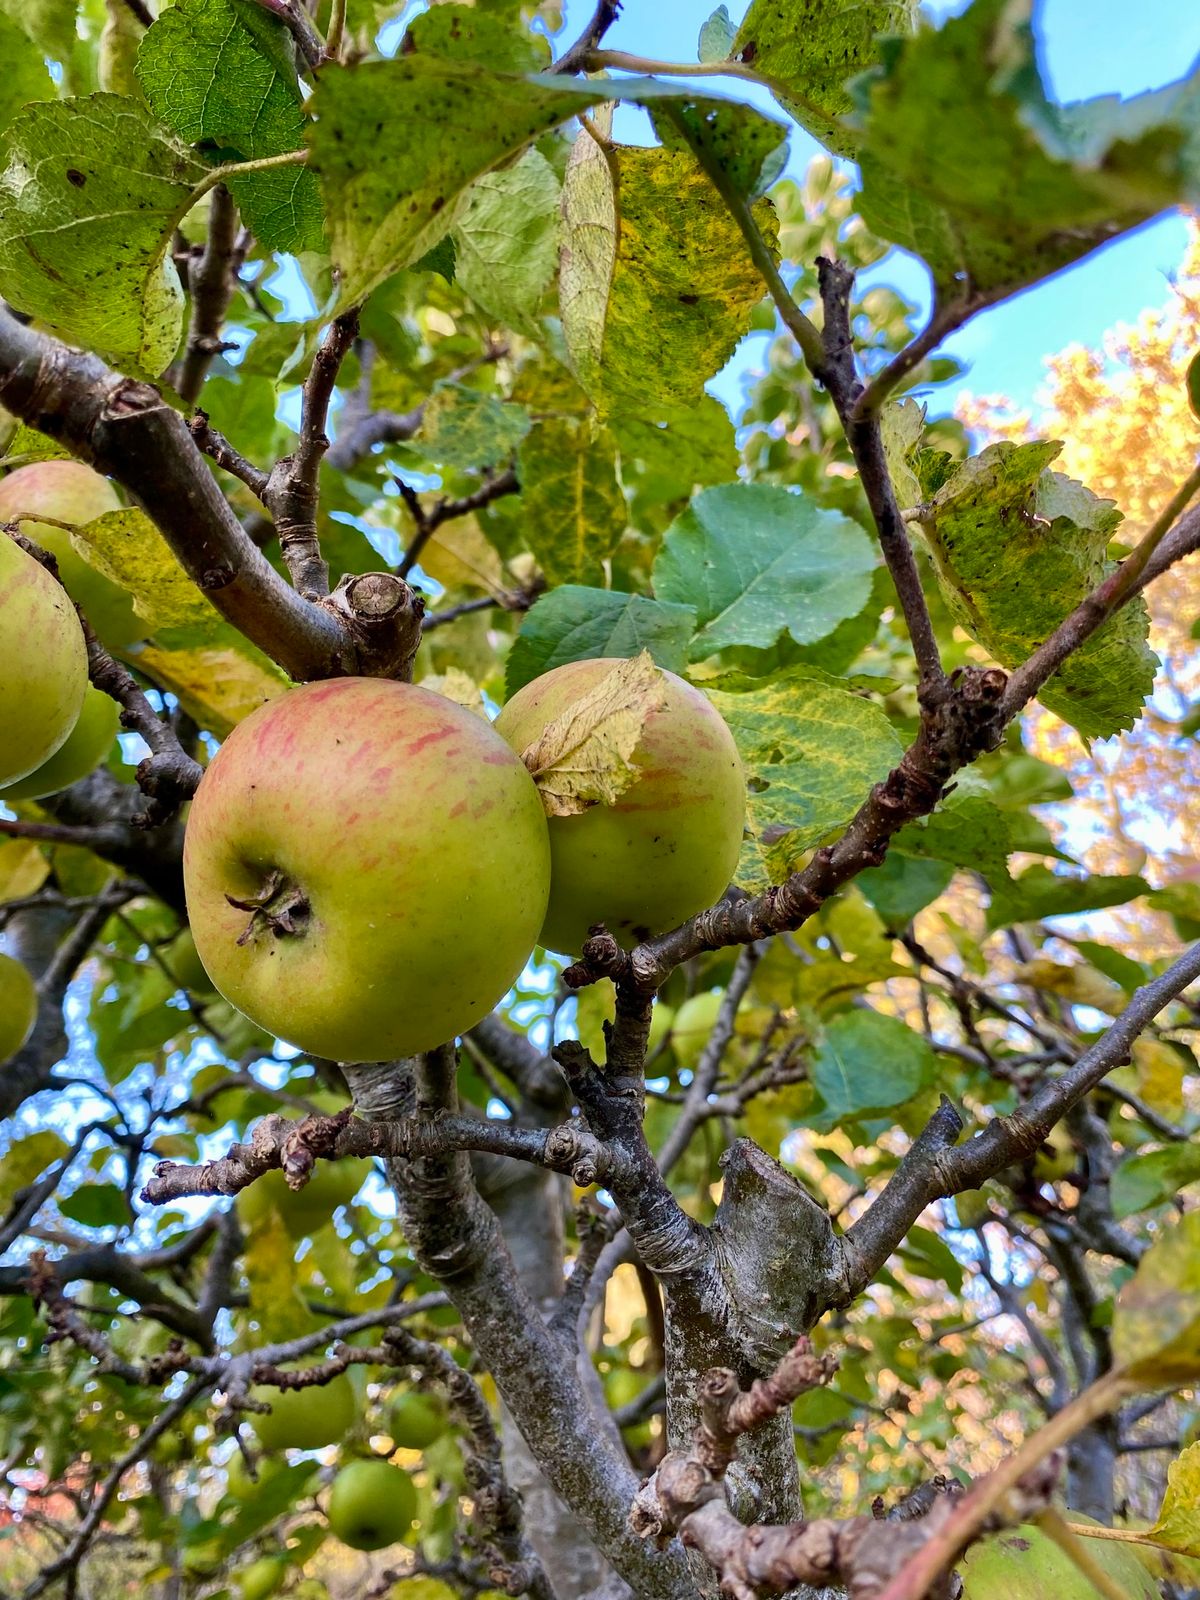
point(281, 906)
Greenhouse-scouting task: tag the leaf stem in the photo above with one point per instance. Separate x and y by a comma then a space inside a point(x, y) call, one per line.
point(1054, 1527)
point(336, 31)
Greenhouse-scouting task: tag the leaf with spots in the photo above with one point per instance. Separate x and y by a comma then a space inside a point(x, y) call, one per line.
point(573, 623)
point(572, 507)
point(222, 73)
point(126, 547)
point(758, 560)
point(1177, 1525)
point(91, 191)
point(1016, 548)
point(811, 749)
point(464, 428)
point(585, 756)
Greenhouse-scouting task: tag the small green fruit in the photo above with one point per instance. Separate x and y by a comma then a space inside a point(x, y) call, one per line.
point(694, 1022)
point(662, 1019)
point(306, 1419)
point(18, 1006)
point(415, 1420)
point(262, 1577)
point(238, 1482)
point(304, 1211)
point(43, 663)
point(1025, 1564)
point(371, 1504)
point(85, 747)
point(183, 961)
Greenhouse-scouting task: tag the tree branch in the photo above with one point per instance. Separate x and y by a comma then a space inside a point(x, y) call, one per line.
point(429, 520)
point(211, 286)
point(574, 59)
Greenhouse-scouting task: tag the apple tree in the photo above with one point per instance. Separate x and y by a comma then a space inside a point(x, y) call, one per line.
point(557, 1038)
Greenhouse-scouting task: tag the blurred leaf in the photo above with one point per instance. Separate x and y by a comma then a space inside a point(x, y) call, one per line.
point(572, 623)
point(1152, 1177)
point(459, 555)
point(24, 868)
point(903, 885)
point(463, 428)
point(25, 75)
point(1039, 893)
point(1156, 1320)
point(49, 23)
point(25, 1161)
point(97, 1205)
point(218, 683)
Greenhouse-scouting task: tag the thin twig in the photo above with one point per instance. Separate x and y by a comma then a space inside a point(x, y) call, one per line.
point(429, 520)
point(575, 58)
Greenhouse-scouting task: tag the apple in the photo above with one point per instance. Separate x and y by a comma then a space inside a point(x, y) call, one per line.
point(366, 867)
point(304, 1211)
point(669, 845)
point(694, 1022)
point(84, 748)
point(184, 963)
point(1025, 1564)
point(415, 1420)
point(71, 492)
point(43, 663)
point(204, 1560)
point(18, 1005)
point(305, 1419)
point(371, 1504)
point(238, 1482)
point(262, 1577)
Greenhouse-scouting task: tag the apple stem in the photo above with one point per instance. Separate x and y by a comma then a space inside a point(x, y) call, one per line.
point(281, 906)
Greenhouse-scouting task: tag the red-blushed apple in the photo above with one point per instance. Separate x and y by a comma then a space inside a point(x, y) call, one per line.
point(371, 1504)
point(415, 1420)
point(306, 1419)
point(43, 663)
point(669, 845)
point(69, 491)
point(18, 1005)
point(84, 748)
point(366, 867)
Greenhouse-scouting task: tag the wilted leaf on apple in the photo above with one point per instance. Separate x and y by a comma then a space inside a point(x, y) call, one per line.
point(126, 547)
point(573, 511)
point(1156, 1320)
point(585, 756)
point(574, 623)
point(1178, 1522)
point(454, 684)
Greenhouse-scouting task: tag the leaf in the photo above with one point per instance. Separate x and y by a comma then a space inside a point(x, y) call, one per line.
point(809, 48)
point(463, 428)
point(811, 750)
point(454, 684)
point(506, 240)
point(928, 1254)
point(223, 73)
point(217, 684)
point(1156, 1319)
point(1025, 186)
point(573, 623)
point(969, 832)
point(585, 756)
point(116, 61)
point(746, 148)
point(276, 1302)
point(573, 511)
point(97, 1205)
point(459, 555)
point(1152, 1177)
point(755, 559)
point(25, 1161)
point(902, 423)
point(1079, 984)
point(25, 74)
point(469, 33)
point(716, 37)
point(1016, 548)
point(23, 868)
point(1193, 384)
point(1160, 1072)
point(50, 24)
point(91, 191)
point(1040, 893)
point(903, 885)
point(672, 453)
point(867, 1063)
point(1178, 1520)
point(656, 284)
point(126, 547)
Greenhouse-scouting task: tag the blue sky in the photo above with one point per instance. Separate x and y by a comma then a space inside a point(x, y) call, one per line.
point(1088, 47)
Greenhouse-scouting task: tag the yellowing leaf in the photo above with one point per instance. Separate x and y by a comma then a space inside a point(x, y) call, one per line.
point(454, 684)
point(573, 510)
point(1081, 985)
point(585, 756)
point(217, 684)
point(1156, 1321)
point(1160, 1072)
point(275, 1301)
point(25, 1161)
point(1178, 1523)
point(126, 547)
point(459, 555)
point(23, 868)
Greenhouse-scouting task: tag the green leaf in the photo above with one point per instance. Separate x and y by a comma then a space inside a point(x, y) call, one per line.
point(716, 37)
point(1156, 1320)
point(928, 1254)
point(469, 33)
point(1024, 186)
point(91, 191)
point(867, 1063)
point(1040, 893)
point(573, 623)
point(126, 547)
point(25, 1161)
point(756, 560)
point(573, 511)
point(811, 750)
point(970, 832)
point(463, 428)
point(506, 239)
point(809, 48)
point(223, 73)
point(1153, 1176)
point(50, 24)
point(903, 885)
point(748, 148)
point(25, 73)
point(656, 285)
point(670, 456)
point(1016, 548)
point(97, 1205)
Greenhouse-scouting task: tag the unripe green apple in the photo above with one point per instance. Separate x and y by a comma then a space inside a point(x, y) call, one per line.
point(184, 963)
point(669, 845)
point(1026, 1564)
point(262, 1577)
point(306, 1419)
point(71, 492)
point(43, 663)
point(238, 1482)
point(389, 857)
point(304, 1211)
point(371, 1504)
point(84, 748)
point(203, 1560)
point(18, 1006)
point(694, 1022)
point(415, 1420)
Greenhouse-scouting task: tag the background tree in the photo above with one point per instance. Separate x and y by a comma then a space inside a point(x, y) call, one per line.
point(390, 362)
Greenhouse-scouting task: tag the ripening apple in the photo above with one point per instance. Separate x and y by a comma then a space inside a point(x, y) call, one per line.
point(669, 845)
point(18, 1006)
point(262, 1577)
point(306, 1419)
point(43, 663)
point(183, 961)
point(366, 868)
point(84, 748)
point(330, 1185)
point(371, 1504)
point(71, 492)
point(415, 1420)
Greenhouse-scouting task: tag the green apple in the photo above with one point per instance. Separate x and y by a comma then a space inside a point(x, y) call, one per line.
point(389, 859)
point(84, 748)
point(415, 1420)
point(238, 1482)
point(371, 1504)
point(669, 845)
point(18, 1005)
point(203, 1560)
point(184, 963)
point(261, 1578)
point(1025, 1564)
point(694, 1022)
point(305, 1419)
point(304, 1211)
point(71, 492)
point(43, 663)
